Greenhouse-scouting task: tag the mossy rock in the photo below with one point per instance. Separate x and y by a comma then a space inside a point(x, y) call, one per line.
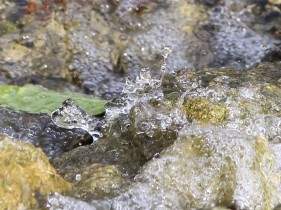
point(37, 99)
point(7, 27)
point(205, 111)
point(98, 181)
point(24, 171)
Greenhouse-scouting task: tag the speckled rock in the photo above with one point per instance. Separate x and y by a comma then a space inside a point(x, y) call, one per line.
point(40, 131)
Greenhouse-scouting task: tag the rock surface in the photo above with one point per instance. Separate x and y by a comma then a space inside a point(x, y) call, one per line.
point(93, 46)
point(228, 158)
point(25, 172)
point(191, 138)
point(40, 131)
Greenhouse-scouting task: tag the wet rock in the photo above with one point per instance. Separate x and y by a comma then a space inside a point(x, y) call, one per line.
point(205, 112)
point(96, 46)
point(96, 181)
point(107, 151)
point(247, 132)
point(7, 27)
point(217, 174)
point(101, 170)
point(224, 29)
point(40, 131)
point(25, 171)
point(232, 161)
point(277, 207)
point(164, 24)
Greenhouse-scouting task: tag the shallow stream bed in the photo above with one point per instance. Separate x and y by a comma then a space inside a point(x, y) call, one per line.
point(193, 112)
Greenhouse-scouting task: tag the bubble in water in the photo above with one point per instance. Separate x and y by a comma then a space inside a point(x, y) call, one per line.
point(78, 177)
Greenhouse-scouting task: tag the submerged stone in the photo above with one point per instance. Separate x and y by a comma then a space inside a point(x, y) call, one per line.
point(26, 172)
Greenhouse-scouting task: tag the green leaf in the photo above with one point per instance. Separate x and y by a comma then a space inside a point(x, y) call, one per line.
point(37, 99)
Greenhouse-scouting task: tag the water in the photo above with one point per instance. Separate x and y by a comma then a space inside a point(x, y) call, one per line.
point(71, 116)
point(180, 135)
point(143, 89)
point(225, 151)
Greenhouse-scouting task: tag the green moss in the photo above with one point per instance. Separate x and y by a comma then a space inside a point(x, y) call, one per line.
point(204, 111)
point(36, 99)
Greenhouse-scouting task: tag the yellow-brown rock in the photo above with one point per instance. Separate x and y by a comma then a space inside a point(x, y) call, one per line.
point(205, 111)
point(97, 180)
point(25, 170)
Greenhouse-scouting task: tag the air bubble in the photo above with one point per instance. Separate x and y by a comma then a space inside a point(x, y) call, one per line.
point(78, 177)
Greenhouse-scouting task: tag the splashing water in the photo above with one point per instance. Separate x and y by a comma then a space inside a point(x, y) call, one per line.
point(144, 89)
point(226, 150)
point(165, 53)
point(71, 116)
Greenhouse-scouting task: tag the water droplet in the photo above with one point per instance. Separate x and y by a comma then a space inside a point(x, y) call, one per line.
point(163, 68)
point(145, 74)
point(166, 51)
point(129, 86)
